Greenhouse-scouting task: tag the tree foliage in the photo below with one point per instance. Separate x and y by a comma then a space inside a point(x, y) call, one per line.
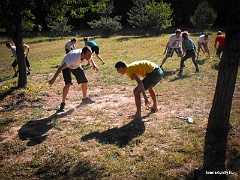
point(146, 14)
point(58, 25)
point(159, 14)
point(204, 16)
point(106, 24)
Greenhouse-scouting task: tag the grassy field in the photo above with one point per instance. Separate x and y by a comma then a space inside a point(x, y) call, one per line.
point(99, 141)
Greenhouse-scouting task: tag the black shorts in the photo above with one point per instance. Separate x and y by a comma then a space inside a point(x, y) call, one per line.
point(14, 64)
point(95, 49)
point(220, 49)
point(67, 50)
point(78, 73)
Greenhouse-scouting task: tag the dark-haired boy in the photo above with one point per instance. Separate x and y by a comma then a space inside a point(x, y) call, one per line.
point(71, 64)
point(190, 52)
point(151, 74)
point(174, 44)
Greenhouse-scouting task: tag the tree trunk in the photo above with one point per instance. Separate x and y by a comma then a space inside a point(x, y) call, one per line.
point(16, 35)
point(218, 122)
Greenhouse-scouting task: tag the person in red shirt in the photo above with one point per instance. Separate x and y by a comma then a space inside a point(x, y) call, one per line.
point(220, 39)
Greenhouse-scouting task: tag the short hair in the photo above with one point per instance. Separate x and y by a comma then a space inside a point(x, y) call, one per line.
point(178, 31)
point(120, 64)
point(219, 33)
point(86, 39)
point(8, 44)
point(185, 34)
point(206, 35)
point(86, 49)
point(73, 39)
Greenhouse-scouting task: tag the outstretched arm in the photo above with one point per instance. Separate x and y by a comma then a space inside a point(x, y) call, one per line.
point(62, 67)
point(93, 64)
point(166, 48)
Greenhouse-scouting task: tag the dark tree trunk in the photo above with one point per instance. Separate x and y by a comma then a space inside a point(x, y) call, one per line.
point(16, 35)
point(218, 122)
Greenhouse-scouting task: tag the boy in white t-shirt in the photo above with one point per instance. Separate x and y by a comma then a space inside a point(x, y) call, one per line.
point(71, 64)
point(174, 44)
point(203, 41)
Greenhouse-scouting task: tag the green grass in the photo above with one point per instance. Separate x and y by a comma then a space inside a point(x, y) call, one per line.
point(98, 141)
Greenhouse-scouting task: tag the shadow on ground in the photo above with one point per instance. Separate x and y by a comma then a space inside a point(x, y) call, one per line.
point(119, 136)
point(35, 130)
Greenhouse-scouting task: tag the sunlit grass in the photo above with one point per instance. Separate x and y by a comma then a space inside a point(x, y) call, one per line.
point(165, 148)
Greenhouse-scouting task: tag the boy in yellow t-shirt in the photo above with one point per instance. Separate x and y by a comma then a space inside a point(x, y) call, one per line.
point(151, 74)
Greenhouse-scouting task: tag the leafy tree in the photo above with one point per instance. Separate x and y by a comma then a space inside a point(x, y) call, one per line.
point(159, 14)
point(58, 25)
point(204, 16)
point(146, 14)
point(106, 24)
point(138, 15)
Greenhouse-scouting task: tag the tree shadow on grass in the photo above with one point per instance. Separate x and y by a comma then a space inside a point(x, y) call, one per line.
point(119, 136)
point(122, 39)
point(73, 169)
point(5, 78)
point(35, 130)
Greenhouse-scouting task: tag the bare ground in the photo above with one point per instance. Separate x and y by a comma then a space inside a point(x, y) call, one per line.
point(113, 103)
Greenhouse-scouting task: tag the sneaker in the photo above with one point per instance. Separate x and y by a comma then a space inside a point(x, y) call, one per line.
point(87, 101)
point(28, 73)
point(197, 70)
point(62, 108)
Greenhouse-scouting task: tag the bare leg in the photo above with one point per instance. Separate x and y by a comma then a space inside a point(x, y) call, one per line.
point(154, 99)
point(99, 57)
point(65, 92)
point(84, 90)
point(197, 54)
point(163, 61)
point(137, 95)
point(209, 54)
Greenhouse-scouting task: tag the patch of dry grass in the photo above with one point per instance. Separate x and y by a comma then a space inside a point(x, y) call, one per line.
point(98, 141)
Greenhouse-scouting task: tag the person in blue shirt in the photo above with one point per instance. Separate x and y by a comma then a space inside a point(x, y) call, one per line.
point(94, 47)
point(189, 48)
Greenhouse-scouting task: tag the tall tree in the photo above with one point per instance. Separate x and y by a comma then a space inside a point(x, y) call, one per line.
point(107, 24)
point(204, 16)
point(147, 14)
point(218, 122)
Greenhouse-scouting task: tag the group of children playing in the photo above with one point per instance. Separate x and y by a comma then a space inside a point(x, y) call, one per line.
point(149, 71)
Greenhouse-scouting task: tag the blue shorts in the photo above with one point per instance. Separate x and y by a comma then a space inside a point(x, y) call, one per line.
point(152, 78)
